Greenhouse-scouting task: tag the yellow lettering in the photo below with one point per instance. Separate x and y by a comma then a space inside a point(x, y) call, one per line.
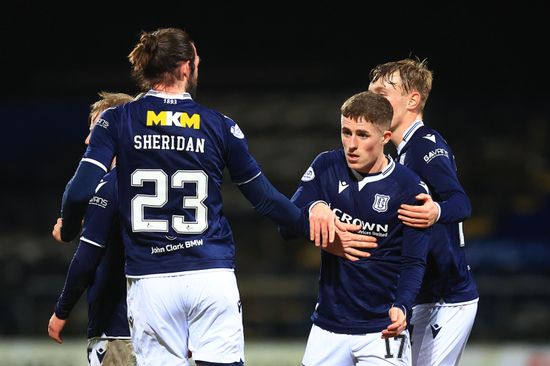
point(167, 118)
point(194, 121)
point(154, 119)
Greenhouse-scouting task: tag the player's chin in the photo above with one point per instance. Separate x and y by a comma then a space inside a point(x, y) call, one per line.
point(353, 163)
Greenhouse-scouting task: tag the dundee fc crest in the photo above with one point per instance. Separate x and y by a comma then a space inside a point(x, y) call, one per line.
point(380, 202)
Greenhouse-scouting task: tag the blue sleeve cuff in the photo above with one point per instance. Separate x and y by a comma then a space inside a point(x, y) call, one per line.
point(439, 211)
point(403, 307)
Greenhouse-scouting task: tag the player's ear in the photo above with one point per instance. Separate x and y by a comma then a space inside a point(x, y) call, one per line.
point(414, 100)
point(386, 136)
point(184, 70)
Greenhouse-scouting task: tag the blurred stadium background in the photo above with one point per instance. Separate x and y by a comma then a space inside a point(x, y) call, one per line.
point(283, 82)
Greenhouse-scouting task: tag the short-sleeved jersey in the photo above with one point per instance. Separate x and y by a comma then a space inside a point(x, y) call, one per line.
point(171, 153)
point(355, 296)
point(106, 294)
point(448, 277)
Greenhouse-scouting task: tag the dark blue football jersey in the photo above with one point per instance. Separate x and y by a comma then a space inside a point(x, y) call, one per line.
point(448, 277)
point(354, 297)
point(98, 266)
point(171, 154)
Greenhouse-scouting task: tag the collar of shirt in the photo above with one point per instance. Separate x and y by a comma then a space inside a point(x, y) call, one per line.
point(364, 179)
point(158, 94)
point(408, 134)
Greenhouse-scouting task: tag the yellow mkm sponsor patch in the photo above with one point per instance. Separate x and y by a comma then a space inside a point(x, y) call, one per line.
point(169, 118)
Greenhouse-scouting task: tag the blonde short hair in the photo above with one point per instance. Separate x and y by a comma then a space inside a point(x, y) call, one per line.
point(107, 100)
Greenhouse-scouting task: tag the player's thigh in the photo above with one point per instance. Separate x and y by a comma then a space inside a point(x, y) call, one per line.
point(372, 350)
point(158, 320)
point(327, 348)
point(97, 348)
point(446, 335)
point(420, 327)
point(110, 352)
point(215, 318)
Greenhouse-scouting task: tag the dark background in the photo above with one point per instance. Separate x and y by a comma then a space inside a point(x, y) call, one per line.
point(282, 74)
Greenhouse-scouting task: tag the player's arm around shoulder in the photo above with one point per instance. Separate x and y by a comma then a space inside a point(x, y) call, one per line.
point(423, 215)
point(432, 159)
point(441, 173)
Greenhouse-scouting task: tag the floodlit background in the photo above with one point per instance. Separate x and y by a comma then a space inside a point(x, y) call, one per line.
point(282, 74)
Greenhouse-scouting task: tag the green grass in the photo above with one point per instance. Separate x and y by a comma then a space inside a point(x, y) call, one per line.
point(44, 352)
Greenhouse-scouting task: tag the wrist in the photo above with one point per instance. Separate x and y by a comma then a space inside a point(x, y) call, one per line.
point(400, 306)
point(315, 203)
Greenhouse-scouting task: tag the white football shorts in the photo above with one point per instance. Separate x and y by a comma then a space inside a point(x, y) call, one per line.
point(440, 332)
point(325, 348)
point(110, 352)
point(197, 311)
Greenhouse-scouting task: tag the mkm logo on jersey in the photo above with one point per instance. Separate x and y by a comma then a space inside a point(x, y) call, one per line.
point(169, 118)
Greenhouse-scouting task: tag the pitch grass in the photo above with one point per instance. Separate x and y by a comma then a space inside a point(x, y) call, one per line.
point(45, 352)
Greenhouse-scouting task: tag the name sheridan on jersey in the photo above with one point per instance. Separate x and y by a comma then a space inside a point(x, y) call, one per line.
point(169, 142)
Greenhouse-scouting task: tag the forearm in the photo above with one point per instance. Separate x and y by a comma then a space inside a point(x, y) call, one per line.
point(413, 265)
point(80, 274)
point(301, 230)
point(269, 202)
point(75, 199)
point(410, 280)
point(456, 208)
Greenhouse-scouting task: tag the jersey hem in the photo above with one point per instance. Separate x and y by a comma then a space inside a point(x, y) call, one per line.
point(181, 273)
point(355, 330)
point(442, 303)
point(108, 337)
